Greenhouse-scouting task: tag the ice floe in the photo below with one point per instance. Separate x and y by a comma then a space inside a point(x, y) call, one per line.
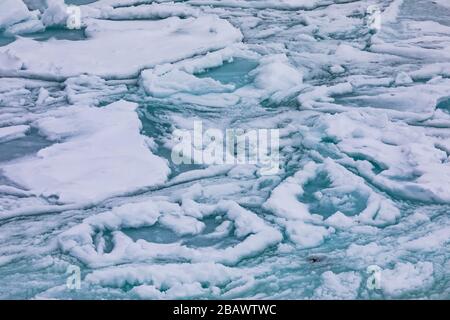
point(111, 54)
point(15, 18)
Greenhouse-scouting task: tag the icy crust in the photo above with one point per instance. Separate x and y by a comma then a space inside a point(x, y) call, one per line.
point(103, 149)
point(86, 241)
point(143, 44)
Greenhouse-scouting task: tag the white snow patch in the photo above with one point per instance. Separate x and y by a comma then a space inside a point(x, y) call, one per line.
point(120, 49)
point(100, 154)
point(13, 132)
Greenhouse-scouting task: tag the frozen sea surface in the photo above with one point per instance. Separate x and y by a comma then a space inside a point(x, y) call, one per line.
point(87, 180)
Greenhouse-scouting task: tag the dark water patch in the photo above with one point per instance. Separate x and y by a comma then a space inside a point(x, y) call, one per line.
point(444, 104)
point(21, 147)
point(235, 72)
point(156, 234)
point(79, 2)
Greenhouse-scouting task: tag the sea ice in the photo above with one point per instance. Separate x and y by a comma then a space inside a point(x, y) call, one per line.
point(103, 149)
point(101, 55)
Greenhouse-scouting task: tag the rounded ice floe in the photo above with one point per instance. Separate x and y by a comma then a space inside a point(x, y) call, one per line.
point(85, 242)
point(101, 153)
point(402, 79)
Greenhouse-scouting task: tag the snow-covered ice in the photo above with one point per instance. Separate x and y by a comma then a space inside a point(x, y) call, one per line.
point(143, 44)
point(87, 123)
